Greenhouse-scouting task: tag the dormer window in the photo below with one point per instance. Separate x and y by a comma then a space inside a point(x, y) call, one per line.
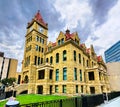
point(58, 42)
point(62, 40)
point(49, 48)
point(76, 41)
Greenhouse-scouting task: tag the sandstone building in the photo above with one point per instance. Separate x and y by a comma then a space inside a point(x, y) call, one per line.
point(64, 67)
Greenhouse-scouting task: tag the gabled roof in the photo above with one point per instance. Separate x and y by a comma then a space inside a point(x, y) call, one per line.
point(54, 44)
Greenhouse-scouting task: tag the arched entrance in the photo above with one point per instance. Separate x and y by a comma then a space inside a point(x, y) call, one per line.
point(26, 79)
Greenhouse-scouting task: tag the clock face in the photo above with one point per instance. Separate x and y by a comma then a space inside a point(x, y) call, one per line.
point(41, 29)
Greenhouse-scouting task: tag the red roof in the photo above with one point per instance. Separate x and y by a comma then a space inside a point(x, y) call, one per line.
point(82, 45)
point(39, 18)
point(99, 58)
point(88, 50)
point(54, 44)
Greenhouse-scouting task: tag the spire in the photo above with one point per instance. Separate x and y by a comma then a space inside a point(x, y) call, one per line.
point(39, 18)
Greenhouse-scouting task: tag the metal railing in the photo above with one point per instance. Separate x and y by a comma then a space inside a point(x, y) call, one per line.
point(70, 102)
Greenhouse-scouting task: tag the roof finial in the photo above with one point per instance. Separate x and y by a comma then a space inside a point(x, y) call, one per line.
point(38, 11)
point(67, 31)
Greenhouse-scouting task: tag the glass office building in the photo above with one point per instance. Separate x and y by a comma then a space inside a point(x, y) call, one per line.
point(113, 53)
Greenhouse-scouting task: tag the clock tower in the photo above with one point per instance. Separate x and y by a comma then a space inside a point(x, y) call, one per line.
point(34, 51)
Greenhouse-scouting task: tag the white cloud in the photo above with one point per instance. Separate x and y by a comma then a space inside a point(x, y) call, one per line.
point(73, 12)
point(108, 33)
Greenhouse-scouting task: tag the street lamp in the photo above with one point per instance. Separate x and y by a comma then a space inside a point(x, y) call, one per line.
point(13, 89)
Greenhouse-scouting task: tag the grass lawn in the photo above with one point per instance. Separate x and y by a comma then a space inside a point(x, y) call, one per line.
point(33, 98)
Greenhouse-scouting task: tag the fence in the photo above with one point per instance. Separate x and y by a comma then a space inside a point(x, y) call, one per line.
point(83, 101)
point(92, 100)
point(71, 102)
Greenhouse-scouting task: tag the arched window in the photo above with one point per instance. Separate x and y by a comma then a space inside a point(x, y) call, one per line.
point(58, 42)
point(79, 58)
point(26, 79)
point(64, 55)
point(83, 61)
point(57, 57)
point(51, 59)
point(47, 60)
point(74, 55)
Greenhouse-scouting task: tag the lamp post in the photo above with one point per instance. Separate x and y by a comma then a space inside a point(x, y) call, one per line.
point(13, 89)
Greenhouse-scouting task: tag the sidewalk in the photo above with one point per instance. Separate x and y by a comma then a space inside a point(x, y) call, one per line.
point(112, 103)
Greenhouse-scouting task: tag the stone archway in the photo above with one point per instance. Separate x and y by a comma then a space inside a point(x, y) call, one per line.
point(26, 79)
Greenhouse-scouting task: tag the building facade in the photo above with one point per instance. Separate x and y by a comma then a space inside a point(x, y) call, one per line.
point(113, 53)
point(64, 67)
point(8, 67)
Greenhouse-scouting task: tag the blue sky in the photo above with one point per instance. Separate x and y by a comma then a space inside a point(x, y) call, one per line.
point(96, 21)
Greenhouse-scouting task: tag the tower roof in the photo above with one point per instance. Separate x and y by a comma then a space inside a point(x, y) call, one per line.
point(39, 18)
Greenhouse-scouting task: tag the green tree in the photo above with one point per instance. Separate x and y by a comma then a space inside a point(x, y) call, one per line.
point(8, 81)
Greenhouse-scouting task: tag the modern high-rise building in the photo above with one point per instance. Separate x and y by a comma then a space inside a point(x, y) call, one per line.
point(8, 67)
point(65, 67)
point(113, 53)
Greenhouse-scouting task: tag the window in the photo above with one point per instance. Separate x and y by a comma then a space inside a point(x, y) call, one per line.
point(84, 76)
point(39, 48)
point(51, 60)
point(65, 73)
point(75, 73)
point(79, 58)
point(41, 60)
point(49, 48)
point(42, 49)
point(37, 38)
point(36, 47)
point(35, 61)
point(38, 60)
point(40, 39)
point(47, 60)
point(83, 61)
point(41, 74)
point(64, 55)
point(81, 88)
point(57, 74)
point(76, 88)
point(57, 58)
point(56, 88)
point(74, 55)
point(64, 88)
point(92, 90)
point(50, 89)
point(62, 40)
point(50, 74)
point(91, 75)
point(80, 75)
point(58, 42)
